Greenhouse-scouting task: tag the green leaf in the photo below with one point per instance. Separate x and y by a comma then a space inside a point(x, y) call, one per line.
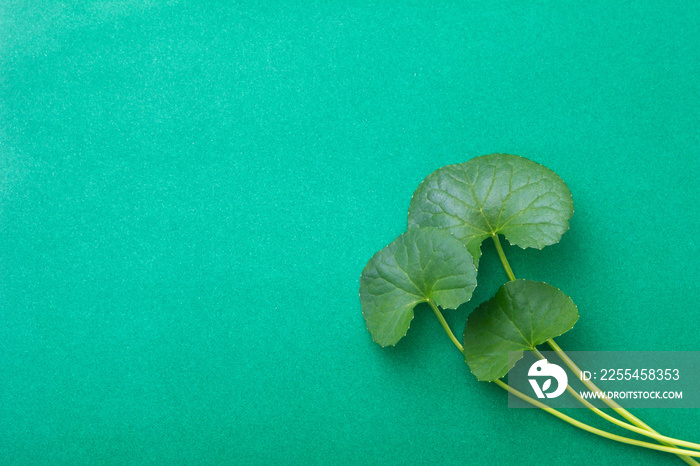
point(420, 265)
point(522, 315)
point(494, 194)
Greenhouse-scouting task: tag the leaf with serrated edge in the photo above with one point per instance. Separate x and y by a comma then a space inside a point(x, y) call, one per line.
point(494, 194)
point(421, 264)
point(522, 315)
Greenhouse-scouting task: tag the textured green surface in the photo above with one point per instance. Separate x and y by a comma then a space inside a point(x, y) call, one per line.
point(189, 192)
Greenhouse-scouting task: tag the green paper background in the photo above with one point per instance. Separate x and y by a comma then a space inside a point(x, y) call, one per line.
point(189, 192)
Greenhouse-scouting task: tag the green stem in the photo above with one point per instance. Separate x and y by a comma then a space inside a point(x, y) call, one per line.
point(669, 441)
point(502, 255)
point(574, 422)
point(593, 430)
point(616, 407)
point(445, 326)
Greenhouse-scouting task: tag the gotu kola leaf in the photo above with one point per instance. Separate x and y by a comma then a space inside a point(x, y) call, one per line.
point(522, 315)
point(420, 265)
point(494, 194)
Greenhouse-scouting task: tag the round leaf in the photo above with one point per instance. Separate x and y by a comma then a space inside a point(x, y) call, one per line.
point(522, 315)
point(420, 265)
point(494, 194)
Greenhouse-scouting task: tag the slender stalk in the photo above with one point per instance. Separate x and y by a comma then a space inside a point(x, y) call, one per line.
point(616, 407)
point(593, 430)
point(445, 326)
point(669, 441)
point(502, 255)
point(560, 415)
point(590, 385)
